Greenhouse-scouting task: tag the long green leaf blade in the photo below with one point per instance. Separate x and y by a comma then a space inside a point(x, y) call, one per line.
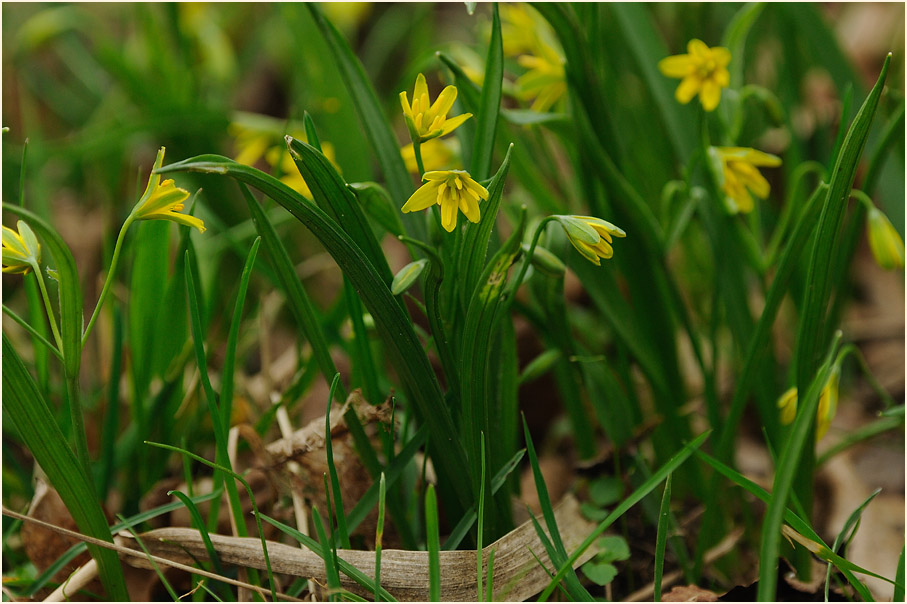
point(490, 102)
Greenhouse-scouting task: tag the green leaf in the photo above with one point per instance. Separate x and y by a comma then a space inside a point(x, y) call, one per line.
point(332, 470)
point(606, 490)
point(614, 548)
point(433, 545)
point(490, 102)
point(644, 489)
point(661, 538)
point(337, 201)
point(39, 431)
point(476, 238)
point(376, 126)
point(404, 349)
point(407, 275)
point(600, 573)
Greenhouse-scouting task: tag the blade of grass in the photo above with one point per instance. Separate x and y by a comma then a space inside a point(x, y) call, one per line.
point(379, 534)
point(199, 523)
point(327, 554)
point(899, 578)
point(35, 424)
point(574, 587)
point(335, 480)
point(469, 518)
point(154, 565)
point(37, 337)
point(853, 521)
point(253, 576)
point(489, 103)
point(634, 498)
point(489, 587)
point(433, 545)
point(661, 538)
point(481, 519)
point(345, 567)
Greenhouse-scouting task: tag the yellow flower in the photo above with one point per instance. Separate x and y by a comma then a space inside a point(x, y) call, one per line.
point(545, 80)
point(788, 405)
point(884, 241)
point(591, 236)
point(828, 404)
point(452, 190)
point(164, 200)
point(436, 154)
point(427, 121)
point(703, 71)
point(21, 251)
point(740, 177)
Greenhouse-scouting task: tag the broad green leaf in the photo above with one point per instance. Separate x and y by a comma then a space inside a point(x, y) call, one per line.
point(403, 347)
point(34, 422)
point(600, 573)
point(378, 204)
point(476, 238)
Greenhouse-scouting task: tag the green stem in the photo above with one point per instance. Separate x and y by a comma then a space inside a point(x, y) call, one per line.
point(528, 260)
point(110, 273)
point(78, 426)
point(32, 331)
point(417, 151)
point(48, 307)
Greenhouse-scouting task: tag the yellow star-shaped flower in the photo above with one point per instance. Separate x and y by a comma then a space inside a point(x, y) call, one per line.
point(164, 200)
point(452, 190)
point(702, 70)
point(740, 176)
point(427, 120)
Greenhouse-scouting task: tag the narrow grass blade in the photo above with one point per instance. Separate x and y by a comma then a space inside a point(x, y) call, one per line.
point(861, 434)
point(489, 587)
point(30, 415)
point(661, 537)
point(433, 545)
point(490, 102)
point(818, 278)
point(481, 526)
point(345, 567)
point(327, 554)
point(644, 489)
point(468, 519)
point(790, 517)
point(335, 480)
point(379, 534)
point(899, 580)
point(226, 388)
point(373, 120)
point(403, 347)
point(37, 337)
point(199, 523)
point(853, 521)
point(574, 588)
point(299, 302)
point(154, 565)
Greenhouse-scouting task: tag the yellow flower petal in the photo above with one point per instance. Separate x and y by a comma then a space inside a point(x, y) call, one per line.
point(424, 197)
point(678, 66)
point(689, 87)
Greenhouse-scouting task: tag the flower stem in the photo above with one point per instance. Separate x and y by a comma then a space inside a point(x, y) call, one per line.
point(110, 273)
point(48, 307)
point(535, 239)
point(417, 151)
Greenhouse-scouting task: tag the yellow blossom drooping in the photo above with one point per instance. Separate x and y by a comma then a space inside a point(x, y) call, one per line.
point(828, 404)
point(788, 406)
point(884, 241)
point(740, 176)
point(702, 70)
point(427, 120)
point(591, 236)
point(452, 190)
point(21, 251)
point(164, 200)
